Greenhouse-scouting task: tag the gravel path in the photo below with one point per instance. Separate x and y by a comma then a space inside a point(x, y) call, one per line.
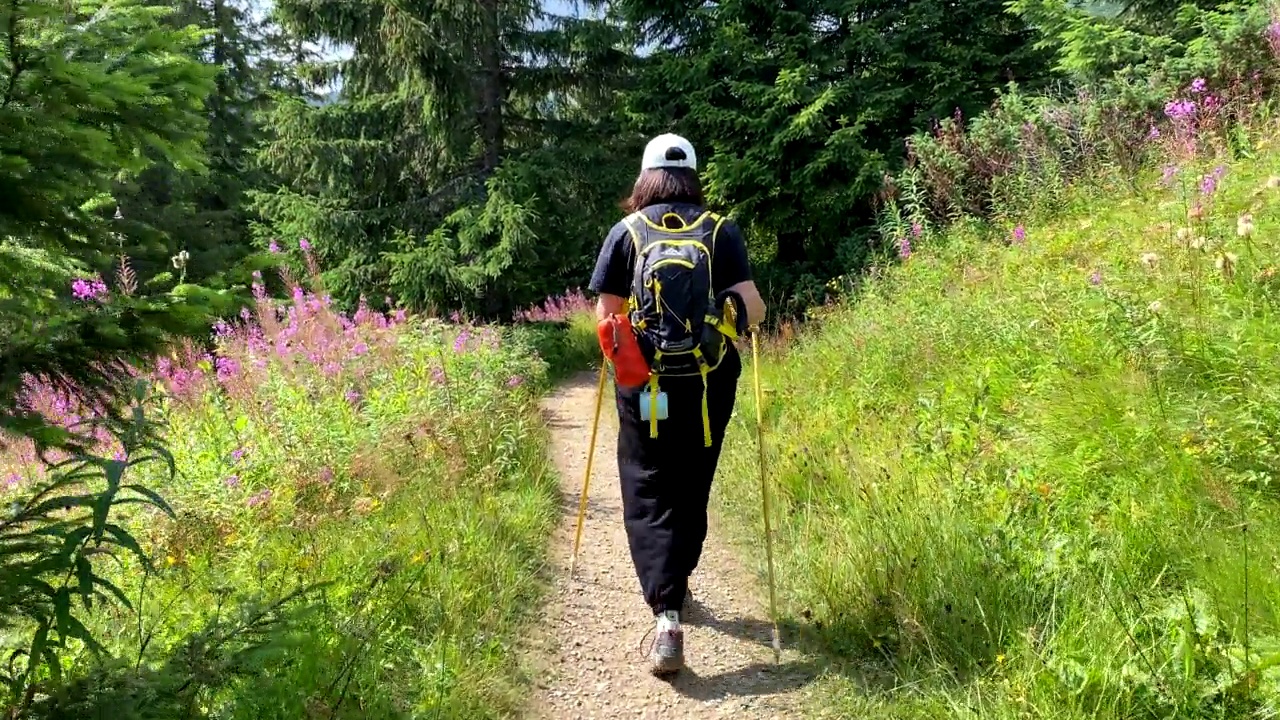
point(589, 648)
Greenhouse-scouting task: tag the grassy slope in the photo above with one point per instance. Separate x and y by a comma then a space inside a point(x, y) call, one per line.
point(425, 505)
point(1005, 488)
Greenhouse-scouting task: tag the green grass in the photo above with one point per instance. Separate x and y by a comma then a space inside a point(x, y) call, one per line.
point(1007, 491)
point(357, 540)
point(567, 346)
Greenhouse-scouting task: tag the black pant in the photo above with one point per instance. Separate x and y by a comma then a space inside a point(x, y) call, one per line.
point(666, 481)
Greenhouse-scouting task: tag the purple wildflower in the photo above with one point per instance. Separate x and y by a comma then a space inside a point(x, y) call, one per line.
point(274, 246)
point(1153, 133)
point(1095, 278)
point(1019, 234)
point(1208, 185)
point(1169, 172)
point(259, 498)
point(916, 229)
point(90, 289)
point(515, 381)
point(353, 396)
point(1197, 85)
point(237, 455)
point(11, 482)
point(1179, 109)
point(326, 475)
point(904, 247)
point(460, 343)
point(360, 348)
point(305, 245)
point(227, 368)
point(232, 481)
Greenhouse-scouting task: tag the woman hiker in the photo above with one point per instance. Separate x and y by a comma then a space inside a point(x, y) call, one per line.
point(668, 267)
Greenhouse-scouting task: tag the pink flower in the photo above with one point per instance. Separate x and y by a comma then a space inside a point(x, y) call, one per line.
point(91, 289)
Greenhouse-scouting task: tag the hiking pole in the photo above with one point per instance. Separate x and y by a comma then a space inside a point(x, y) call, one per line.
point(764, 493)
point(586, 480)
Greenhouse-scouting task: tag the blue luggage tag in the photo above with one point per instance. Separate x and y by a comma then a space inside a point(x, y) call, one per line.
point(645, 399)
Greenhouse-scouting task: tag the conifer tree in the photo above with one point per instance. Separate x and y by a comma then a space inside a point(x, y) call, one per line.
point(90, 90)
point(802, 106)
point(467, 162)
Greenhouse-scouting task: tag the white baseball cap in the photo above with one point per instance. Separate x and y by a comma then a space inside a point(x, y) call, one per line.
point(669, 151)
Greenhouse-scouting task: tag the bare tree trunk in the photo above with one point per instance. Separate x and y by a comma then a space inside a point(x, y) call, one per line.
point(491, 90)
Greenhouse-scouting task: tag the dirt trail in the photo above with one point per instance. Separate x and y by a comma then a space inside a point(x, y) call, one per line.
point(589, 647)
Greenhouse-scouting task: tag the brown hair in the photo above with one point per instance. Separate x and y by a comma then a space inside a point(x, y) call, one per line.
point(664, 185)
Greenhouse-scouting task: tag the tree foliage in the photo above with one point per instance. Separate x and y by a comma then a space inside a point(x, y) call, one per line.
point(802, 106)
point(467, 161)
point(92, 91)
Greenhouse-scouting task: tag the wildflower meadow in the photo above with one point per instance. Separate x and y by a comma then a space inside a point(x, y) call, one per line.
point(344, 516)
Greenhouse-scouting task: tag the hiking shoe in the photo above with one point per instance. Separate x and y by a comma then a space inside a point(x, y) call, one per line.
point(666, 657)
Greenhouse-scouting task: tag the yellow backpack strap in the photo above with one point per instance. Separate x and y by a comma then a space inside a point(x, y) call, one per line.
point(706, 413)
point(653, 406)
point(633, 303)
point(715, 232)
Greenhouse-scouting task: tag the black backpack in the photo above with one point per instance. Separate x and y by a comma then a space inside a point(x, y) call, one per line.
point(674, 310)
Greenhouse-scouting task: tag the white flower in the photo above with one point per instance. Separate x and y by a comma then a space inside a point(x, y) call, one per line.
point(1244, 225)
point(1226, 264)
point(1149, 259)
point(1155, 306)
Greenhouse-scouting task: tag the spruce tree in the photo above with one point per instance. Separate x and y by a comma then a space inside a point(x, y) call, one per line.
point(465, 164)
point(90, 90)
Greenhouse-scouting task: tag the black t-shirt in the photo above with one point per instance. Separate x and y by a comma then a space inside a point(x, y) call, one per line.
point(614, 267)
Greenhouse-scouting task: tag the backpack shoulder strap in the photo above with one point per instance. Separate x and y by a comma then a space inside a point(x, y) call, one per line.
point(633, 223)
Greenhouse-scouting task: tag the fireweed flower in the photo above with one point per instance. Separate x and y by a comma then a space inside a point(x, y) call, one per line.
point(1197, 85)
point(259, 498)
point(304, 245)
point(1019, 234)
point(237, 455)
point(353, 396)
point(274, 246)
point(232, 482)
point(1169, 172)
point(1095, 278)
point(515, 381)
point(904, 247)
point(916, 229)
point(11, 482)
point(1208, 184)
point(460, 343)
point(1180, 109)
point(88, 289)
point(227, 368)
